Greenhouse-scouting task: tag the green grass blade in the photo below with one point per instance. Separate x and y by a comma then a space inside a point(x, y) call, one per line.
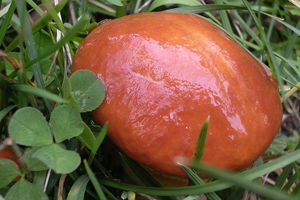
point(38, 92)
point(204, 8)
point(109, 194)
point(197, 180)
point(4, 10)
point(296, 70)
point(46, 18)
point(41, 23)
point(272, 63)
point(157, 3)
point(5, 111)
point(87, 137)
point(225, 18)
point(241, 181)
point(292, 40)
point(68, 36)
point(247, 43)
point(290, 73)
point(170, 191)
point(287, 53)
point(78, 189)
point(296, 190)
point(296, 30)
point(211, 186)
point(54, 15)
point(35, 7)
point(289, 77)
point(272, 23)
point(30, 46)
point(29, 41)
point(247, 28)
point(213, 7)
point(192, 175)
point(98, 143)
point(6, 22)
point(94, 181)
point(200, 143)
point(134, 5)
point(293, 179)
point(137, 173)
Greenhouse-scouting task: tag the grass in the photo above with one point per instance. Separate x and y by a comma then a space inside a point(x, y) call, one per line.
point(38, 40)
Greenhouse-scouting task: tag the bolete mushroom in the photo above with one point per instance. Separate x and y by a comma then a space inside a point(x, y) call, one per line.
point(165, 73)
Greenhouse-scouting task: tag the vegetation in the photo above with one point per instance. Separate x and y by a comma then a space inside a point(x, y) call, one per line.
point(63, 154)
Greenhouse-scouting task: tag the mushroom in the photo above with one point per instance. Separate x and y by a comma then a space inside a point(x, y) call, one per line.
point(165, 73)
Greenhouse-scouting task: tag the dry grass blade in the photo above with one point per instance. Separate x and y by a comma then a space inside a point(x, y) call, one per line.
point(11, 60)
point(295, 2)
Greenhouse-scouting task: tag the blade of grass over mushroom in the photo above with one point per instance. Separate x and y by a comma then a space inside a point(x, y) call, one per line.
point(41, 23)
point(241, 181)
point(68, 36)
point(38, 92)
point(94, 181)
point(281, 180)
point(98, 143)
point(200, 143)
point(211, 186)
point(197, 180)
point(6, 22)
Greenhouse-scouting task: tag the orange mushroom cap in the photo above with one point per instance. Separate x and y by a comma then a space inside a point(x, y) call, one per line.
point(165, 73)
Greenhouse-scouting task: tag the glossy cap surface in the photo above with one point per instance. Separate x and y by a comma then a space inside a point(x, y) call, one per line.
point(165, 73)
